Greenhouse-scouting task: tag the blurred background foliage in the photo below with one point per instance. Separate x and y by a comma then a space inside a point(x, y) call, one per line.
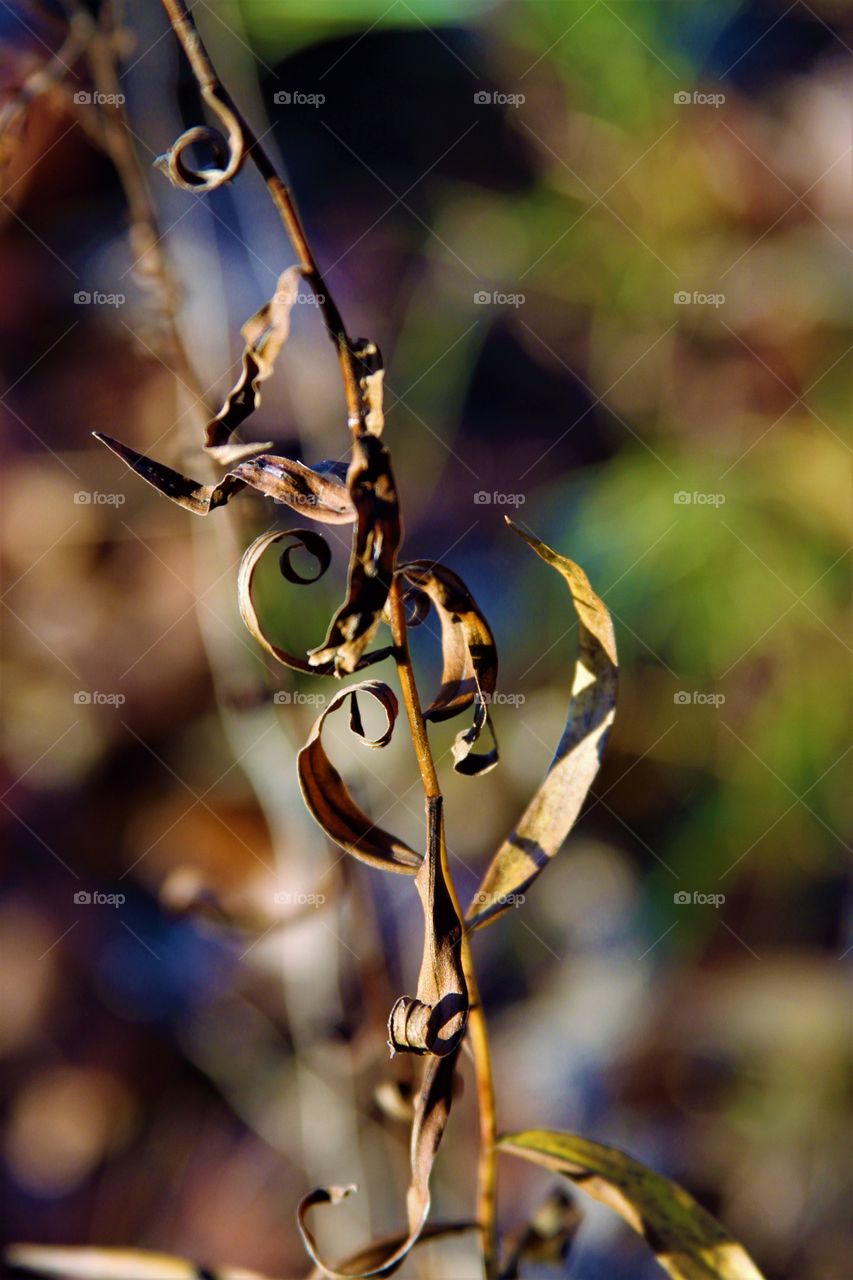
point(175, 1081)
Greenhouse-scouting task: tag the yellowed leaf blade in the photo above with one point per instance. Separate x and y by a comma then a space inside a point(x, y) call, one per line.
point(432, 1111)
point(554, 808)
point(689, 1244)
point(434, 1020)
point(84, 1263)
point(330, 803)
point(470, 660)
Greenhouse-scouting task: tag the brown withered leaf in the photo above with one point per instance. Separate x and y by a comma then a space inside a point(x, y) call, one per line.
point(84, 1263)
point(689, 1244)
point(265, 334)
point(371, 384)
point(316, 546)
point(434, 1020)
point(330, 803)
point(320, 497)
point(470, 659)
point(374, 1254)
point(552, 812)
point(431, 1115)
point(377, 535)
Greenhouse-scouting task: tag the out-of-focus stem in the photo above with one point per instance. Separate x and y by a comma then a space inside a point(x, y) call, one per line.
point(477, 1030)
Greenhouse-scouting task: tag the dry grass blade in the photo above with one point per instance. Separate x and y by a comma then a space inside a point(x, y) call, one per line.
point(378, 531)
point(374, 1254)
point(553, 810)
point(431, 1115)
point(265, 334)
point(330, 803)
point(83, 1263)
point(689, 1244)
point(434, 1020)
point(371, 385)
point(291, 483)
point(470, 659)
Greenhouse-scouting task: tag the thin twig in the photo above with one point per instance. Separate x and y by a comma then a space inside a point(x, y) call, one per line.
point(479, 1039)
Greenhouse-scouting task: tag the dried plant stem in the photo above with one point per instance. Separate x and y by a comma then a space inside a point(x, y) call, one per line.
point(478, 1032)
point(249, 145)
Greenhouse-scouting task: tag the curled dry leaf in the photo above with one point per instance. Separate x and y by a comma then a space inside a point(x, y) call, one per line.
point(83, 1263)
point(265, 334)
point(228, 152)
point(291, 483)
point(470, 659)
point(434, 1020)
point(552, 812)
point(330, 803)
point(377, 535)
point(373, 1254)
point(689, 1244)
point(316, 546)
point(431, 1114)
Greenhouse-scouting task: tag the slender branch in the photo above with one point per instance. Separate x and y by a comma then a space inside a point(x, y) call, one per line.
point(242, 142)
point(479, 1039)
